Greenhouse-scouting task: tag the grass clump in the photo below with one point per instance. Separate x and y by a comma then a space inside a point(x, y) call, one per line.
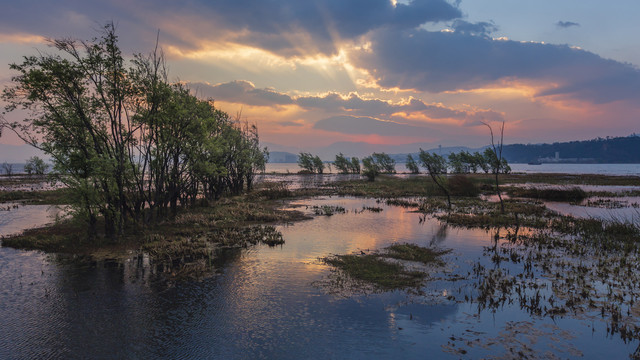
point(274, 191)
point(328, 210)
point(375, 270)
point(386, 270)
point(569, 194)
point(412, 252)
point(460, 185)
point(39, 197)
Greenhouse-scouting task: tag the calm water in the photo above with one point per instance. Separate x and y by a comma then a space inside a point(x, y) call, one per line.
point(609, 169)
point(270, 303)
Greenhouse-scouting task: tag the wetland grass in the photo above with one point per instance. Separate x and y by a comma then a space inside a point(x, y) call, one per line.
point(386, 270)
point(564, 194)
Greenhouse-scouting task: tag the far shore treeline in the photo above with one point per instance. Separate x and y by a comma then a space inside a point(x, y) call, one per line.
point(609, 150)
point(131, 146)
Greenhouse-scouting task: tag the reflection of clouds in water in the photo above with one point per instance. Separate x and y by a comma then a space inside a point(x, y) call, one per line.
point(17, 219)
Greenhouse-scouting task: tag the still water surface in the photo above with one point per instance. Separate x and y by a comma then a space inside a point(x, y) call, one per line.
point(267, 303)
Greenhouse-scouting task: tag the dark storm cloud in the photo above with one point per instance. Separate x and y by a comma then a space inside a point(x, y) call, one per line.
point(275, 25)
point(367, 126)
point(242, 92)
point(566, 24)
point(449, 61)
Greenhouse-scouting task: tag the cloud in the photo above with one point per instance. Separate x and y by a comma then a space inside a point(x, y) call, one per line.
point(242, 92)
point(364, 125)
point(566, 24)
point(353, 104)
point(289, 123)
point(285, 27)
point(451, 61)
point(479, 28)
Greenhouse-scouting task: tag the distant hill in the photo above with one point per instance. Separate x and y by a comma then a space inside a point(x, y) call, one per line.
point(282, 157)
point(618, 150)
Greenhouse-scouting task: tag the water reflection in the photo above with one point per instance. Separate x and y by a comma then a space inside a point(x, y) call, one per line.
point(262, 303)
point(16, 217)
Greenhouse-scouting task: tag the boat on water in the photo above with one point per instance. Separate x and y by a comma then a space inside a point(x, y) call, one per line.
point(534, 163)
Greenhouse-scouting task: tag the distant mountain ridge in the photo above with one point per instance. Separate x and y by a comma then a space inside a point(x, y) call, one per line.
point(610, 150)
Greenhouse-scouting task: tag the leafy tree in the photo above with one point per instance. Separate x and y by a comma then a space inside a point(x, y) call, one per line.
point(318, 165)
point(342, 164)
point(35, 165)
point(131, 146)
point(455, 163)
point(355, 165)
point(310, 163)
point(346, 166)
point(436, 166)
point(385, 163)
point(481, 162)
point(412, 166)
point(305, 161)
point(370, 168)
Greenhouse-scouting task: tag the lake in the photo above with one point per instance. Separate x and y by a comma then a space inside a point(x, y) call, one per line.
point(280, 302)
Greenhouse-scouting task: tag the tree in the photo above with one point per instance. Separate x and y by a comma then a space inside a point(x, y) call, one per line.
point(346, 166)
point(496, 162)
point(342, 164)
point(412, 166)
point(305, 161)
point(310, 163)
point(318, 165)
point(131, 146)
point(355, 165)
point(7, 168)
point(370, 168)
point(481, 162)
point(436, 167)
point(35, 165)
point(455, 163)
point(384, 162)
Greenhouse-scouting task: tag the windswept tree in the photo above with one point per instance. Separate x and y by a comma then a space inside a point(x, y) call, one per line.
point(318, 165)
point(385, 163)
point(436, 166)
point(346, 166)
point(412, 166)
point(310, 163)
point(342, 164)
point(355, 165)
point(370, 168)
point(305, 161)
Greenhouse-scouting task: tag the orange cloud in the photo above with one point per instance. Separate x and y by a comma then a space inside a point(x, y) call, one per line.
point(22, 38)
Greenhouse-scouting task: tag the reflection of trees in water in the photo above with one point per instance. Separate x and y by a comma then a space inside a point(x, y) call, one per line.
point(440, 235)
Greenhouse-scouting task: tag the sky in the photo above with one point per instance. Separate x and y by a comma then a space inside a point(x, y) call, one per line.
point(399, 73)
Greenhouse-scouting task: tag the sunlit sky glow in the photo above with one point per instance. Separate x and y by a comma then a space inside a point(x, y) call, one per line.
point(313, 73)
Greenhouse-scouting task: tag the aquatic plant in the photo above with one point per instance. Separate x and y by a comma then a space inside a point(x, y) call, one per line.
point(328, 210)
